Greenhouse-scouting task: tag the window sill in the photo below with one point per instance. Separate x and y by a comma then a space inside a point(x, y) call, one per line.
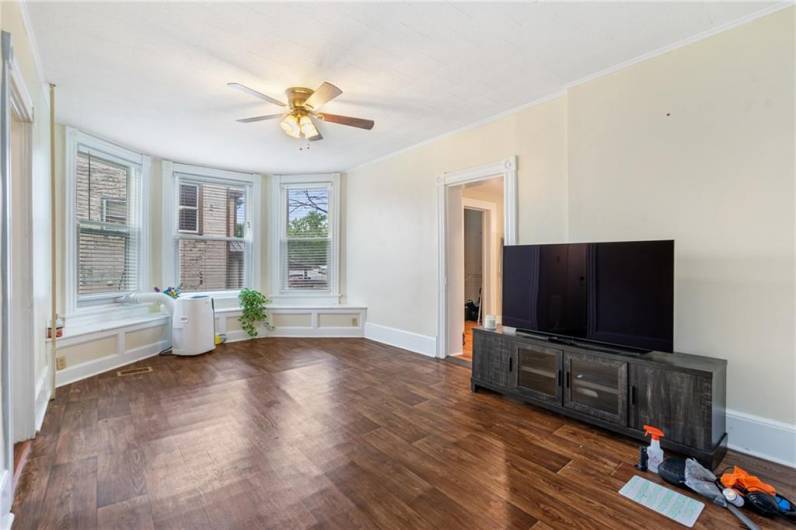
point(85, 326)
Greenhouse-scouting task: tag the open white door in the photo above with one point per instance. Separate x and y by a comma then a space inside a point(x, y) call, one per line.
point(6, 436)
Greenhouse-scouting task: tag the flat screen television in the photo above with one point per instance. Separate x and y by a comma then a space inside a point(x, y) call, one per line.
point(619, 294)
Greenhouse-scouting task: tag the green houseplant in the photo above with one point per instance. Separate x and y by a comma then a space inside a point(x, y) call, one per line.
point(253, 309)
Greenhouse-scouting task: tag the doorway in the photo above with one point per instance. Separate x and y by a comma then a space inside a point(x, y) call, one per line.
point(474, 255)
point(477, 217)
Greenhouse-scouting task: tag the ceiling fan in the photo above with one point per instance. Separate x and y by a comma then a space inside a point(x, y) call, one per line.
point(298, 122)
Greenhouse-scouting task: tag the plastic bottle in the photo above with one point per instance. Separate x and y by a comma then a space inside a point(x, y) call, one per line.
point(654, 451)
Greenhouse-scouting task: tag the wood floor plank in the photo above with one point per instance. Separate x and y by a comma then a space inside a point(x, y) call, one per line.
point(120, 476)
point(71, 498)
point(131, 514)
point(326, 433)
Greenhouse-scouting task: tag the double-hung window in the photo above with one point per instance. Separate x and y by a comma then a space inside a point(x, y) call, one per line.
point(106, 234)
point(209, 218)
point(306, 244)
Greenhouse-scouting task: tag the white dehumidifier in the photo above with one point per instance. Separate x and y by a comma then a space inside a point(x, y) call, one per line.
point(193, 326)
point(193, 321)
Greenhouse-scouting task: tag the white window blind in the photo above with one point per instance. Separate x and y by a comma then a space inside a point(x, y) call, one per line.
point(306, 238)
point(108, 232)
point(212, 235)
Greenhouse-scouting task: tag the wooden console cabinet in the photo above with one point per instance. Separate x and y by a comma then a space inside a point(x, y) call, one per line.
point(682, 394)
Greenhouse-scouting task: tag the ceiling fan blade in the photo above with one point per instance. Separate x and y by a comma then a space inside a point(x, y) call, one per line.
point(261, 118)
point(255, 93)
point(325, 93)
point(347, 120)
point(314, 132)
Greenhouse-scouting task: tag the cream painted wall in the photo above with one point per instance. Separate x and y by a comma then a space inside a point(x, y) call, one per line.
point(392, 206)
point(604, 162)
point(698, 145)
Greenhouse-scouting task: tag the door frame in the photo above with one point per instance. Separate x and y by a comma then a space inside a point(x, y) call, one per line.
point(23, 335)
point(17, 348)
point(505, 169)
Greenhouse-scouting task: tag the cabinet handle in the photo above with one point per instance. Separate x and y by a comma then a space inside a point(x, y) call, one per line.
point(633, 397)
point(511, 363)
point(569, 379)
point(558, 378)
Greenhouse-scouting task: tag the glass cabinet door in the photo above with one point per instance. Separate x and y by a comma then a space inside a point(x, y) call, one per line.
point(539, 372)
point(596, 386)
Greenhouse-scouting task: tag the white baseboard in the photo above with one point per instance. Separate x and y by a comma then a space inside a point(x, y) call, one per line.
point(408, 340)
point(110, 362)
point(761, 437)
point(43, 395)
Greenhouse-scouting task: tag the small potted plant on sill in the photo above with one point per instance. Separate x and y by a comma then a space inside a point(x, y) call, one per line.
point(253, 310)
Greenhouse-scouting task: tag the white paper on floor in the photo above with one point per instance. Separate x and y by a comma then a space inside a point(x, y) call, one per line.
point(665, 501)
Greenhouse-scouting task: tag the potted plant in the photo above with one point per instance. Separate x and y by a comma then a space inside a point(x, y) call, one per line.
point(253, 309)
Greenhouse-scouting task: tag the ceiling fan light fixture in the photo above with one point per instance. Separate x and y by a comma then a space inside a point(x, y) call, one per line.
point(308, 129)
point(290, 125)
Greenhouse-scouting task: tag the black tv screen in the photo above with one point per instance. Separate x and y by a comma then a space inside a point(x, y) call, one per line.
point(615, 293)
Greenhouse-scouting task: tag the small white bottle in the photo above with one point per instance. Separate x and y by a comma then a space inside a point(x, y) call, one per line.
point(654, 451)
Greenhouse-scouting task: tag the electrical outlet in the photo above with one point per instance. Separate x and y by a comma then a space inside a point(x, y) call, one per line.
point(354, 321)
point(60, 363)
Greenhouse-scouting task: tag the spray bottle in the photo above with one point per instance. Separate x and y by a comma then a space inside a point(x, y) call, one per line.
point(654, 451)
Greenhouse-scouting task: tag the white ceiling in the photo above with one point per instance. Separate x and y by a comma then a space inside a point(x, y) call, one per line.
point(153, 76)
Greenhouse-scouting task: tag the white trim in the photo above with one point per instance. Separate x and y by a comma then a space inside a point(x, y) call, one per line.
point(169, 220)
point(506, 169)
point(204, 173)
point(100, 331)
point(21, 101)
point(315, 329)
point(23, 338)
point(279, 183)
point(7, 488)
point(407, 340)
point(43, 395)
point(91, 368)
point(761, 437)
point(137, 162)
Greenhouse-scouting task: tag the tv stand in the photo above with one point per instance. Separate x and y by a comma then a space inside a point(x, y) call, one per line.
point(597, 346)
point(682, 394)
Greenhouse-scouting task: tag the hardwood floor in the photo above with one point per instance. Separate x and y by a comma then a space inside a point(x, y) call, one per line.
point(467, 347)
point(333, 433)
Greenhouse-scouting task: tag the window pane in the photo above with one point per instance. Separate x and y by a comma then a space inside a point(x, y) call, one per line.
point(308, 212)
point(188, 220)
point(106, 260)
point(99, 181)
point(188, 195)
point(307, 264)
point(211, 265)
point(221, 209)
point(114, 211)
